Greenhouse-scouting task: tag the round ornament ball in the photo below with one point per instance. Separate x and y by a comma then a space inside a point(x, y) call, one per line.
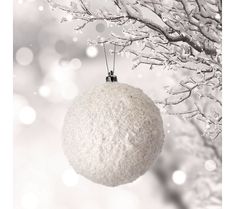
point(112, 134)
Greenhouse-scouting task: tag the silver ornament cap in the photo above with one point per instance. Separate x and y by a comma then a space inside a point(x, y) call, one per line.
point(113, 134)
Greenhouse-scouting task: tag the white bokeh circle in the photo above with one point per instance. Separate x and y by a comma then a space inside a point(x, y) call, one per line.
point(24, 56)
point(69, 90)
point(40, 8)
point(179, 177)
point(210, 165)
point(91, 51)
point(27, 115)
point(44, 91)
point(75, 63)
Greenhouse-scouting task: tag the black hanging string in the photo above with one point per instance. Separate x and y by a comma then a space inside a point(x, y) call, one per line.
point(106, 61)
point(114, 56)
point(111, 77)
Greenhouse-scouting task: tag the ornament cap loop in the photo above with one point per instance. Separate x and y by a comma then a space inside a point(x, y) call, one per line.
point(111, 77)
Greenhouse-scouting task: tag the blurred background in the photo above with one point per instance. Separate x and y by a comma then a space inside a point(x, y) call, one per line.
point(52, 65)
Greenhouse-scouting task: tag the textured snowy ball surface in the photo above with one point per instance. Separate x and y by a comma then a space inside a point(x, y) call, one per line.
point(112, 134)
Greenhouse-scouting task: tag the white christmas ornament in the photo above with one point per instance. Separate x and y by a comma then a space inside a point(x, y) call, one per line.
point(112, 134)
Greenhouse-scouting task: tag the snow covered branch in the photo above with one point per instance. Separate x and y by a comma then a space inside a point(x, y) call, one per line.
point(167, 34)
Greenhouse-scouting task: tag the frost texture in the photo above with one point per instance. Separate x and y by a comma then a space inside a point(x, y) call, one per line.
point(113, 134)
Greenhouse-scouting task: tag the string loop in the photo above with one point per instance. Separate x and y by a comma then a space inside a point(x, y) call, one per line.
point(106, 61)
point(111, 77)
point(114, 56)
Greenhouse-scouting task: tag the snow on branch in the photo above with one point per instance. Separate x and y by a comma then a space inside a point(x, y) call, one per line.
point(171, 34)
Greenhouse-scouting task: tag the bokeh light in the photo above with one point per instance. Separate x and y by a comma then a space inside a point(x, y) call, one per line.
point(179, 177)
point(100, 27)
point(44, 91)
point(69, 17)
point(75, 63)
point(27, 115)
point(91, 51)
point(75, 39)
point(60, 73)
point(19, 103)
point(69, 177)
point(40, 8)
point(210, 165)
point(69, 91)
point(63, 62)
point(29, 201)
point(60, 46)
point(24, 56)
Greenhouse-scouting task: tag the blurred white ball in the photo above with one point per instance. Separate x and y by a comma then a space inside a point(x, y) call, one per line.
point(179, 177)
point(112, 134)
point(24, 56)
point(40, 8)
point(210, 165)
point(44, 91)
point(75, 63)
point(92, 51)
point(75, 39)
point(27, 115)
point(69, 17)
